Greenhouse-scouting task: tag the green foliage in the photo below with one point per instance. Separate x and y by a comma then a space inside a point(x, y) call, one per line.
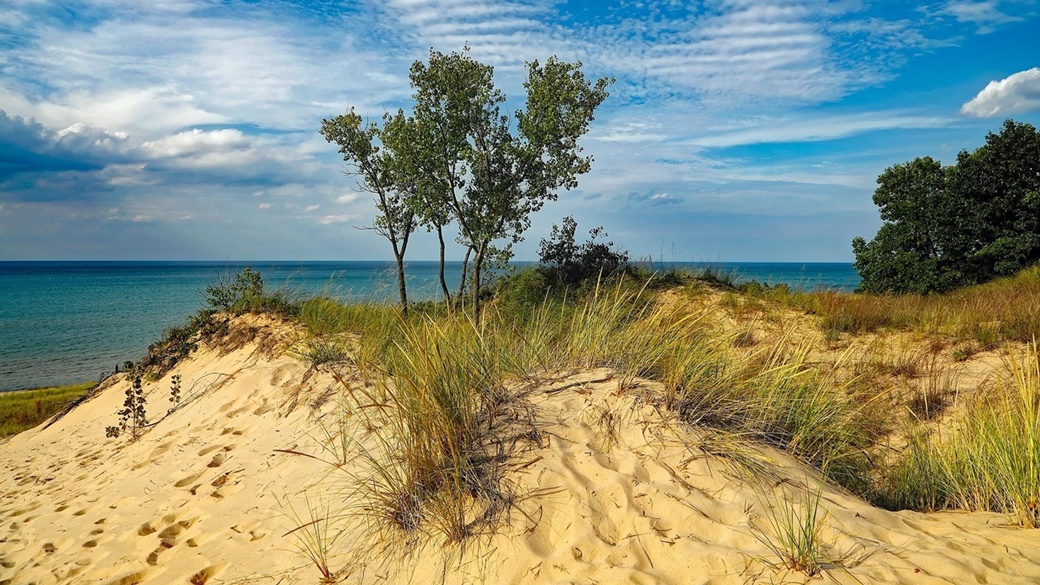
point(24, 409)
point(237, 293)
point(459, 158)
point(949, 227)
point(568, 264)
point(381, 173)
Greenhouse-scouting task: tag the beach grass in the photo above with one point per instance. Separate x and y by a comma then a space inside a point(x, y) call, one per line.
point(24, 409)
point(988, 458)
point(432, 387)
point(1007, 309)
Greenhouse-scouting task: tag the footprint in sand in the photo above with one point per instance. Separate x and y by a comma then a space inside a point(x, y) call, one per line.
point(208, 450)
point(189, 479)
point(203, 576)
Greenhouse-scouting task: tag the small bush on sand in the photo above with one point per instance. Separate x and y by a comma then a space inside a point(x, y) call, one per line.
point(132, 416)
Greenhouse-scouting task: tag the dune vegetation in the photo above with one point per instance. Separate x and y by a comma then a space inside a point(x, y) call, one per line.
point(426, 429)
point(881, 409)
point(24, 409)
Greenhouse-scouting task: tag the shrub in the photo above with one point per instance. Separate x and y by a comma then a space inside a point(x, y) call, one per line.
point(132, 415)
point(566, 263)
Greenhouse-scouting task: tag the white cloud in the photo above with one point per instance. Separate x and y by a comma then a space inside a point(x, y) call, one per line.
point(194, 142)
point(815, 129)
point(311, 208)
point(331, 219)
point(1016, 94)
point(264, 206)
point(348, 198)
point(986, 14)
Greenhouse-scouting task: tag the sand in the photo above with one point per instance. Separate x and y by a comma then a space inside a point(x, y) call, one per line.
point(617, 492)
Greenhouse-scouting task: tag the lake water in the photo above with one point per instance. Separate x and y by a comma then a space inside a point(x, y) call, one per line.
point(67, 322)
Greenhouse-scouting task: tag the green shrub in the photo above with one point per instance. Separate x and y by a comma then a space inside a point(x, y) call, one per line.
point(568, 264)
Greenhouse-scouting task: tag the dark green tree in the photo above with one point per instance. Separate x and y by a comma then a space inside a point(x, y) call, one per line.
point(948, 227)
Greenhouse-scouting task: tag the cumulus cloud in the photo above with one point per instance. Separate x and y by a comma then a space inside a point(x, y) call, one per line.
point(194, 142)
point(264, 206)
point(1015, 94)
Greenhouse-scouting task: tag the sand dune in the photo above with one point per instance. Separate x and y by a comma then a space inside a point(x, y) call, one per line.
point(617, 492)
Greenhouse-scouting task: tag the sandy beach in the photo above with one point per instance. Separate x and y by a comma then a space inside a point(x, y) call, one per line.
point(614, 490)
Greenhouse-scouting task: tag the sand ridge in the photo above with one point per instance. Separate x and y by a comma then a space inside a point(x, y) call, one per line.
point(618, 491)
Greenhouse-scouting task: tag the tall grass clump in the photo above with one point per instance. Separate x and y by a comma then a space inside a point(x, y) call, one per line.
point(795, 534)
point(988, 460)
point(774, 395)
point(432, 462)
point(770, 393)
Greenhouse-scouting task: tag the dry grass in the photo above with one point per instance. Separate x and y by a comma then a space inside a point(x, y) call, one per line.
point(988, 458)
point(427, 430)
point(1007, 309)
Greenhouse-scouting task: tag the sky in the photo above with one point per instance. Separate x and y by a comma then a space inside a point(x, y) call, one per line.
point(735, 131)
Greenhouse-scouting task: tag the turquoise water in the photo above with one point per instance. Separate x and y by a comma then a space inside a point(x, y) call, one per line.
point(68, 322)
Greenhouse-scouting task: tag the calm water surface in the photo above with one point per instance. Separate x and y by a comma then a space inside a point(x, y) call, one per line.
point(67, 322)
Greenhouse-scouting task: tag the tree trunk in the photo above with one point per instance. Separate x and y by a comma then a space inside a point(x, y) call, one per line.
point(401, 286)
point(444, 285)
point(478, 261)
point(465, 269)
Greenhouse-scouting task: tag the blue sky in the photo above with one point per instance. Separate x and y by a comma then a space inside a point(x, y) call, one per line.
point(736, 130)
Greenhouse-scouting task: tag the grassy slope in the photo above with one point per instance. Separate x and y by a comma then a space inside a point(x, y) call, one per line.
point(25, 409)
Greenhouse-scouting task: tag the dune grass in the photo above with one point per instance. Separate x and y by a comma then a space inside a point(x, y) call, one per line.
point(1006, 309)
point(24, 409)
point(986, 459)
point(430, 463)
point(795, 530)
point(435, 392)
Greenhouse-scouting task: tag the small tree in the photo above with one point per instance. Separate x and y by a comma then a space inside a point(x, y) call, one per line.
point(569, 264)
point(132, 415)
point(239, 292)
point(379, 172)
point(490, 178)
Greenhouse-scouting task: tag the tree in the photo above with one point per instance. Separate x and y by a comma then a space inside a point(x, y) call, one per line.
point(947, 227)
point(490, 178)
point(379, 171)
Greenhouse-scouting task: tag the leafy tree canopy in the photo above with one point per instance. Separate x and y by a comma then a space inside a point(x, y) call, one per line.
point(954, 226)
